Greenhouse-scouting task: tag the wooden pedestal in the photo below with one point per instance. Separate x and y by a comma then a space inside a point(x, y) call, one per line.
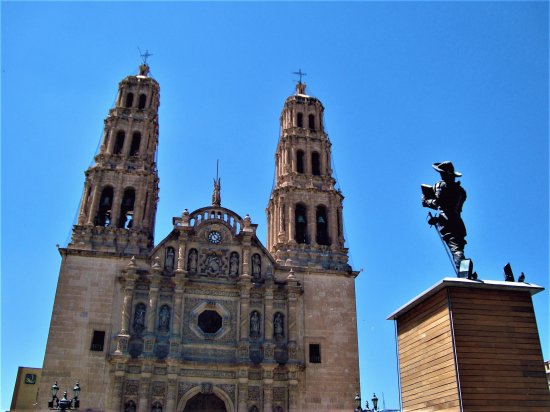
point(471, 346)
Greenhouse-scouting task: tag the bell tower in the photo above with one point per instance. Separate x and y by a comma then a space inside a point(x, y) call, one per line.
point(119, 202)
point(304, 212)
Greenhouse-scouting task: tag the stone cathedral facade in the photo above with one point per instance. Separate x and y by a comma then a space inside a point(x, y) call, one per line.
point(207, 319)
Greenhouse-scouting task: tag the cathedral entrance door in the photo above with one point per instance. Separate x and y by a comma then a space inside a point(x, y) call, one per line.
point(205, 403)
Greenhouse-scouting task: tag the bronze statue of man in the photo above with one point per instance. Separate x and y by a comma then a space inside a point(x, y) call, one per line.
point(448, 196)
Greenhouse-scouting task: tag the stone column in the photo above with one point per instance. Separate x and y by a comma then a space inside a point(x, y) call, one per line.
point(245, 309)
point(246, 261)
point(128, 287)
point(268, 391)
point(153, 300)
point(129, 134)
point(139, 204)
point(112, 138)
point(323, 158)
point(95, 203)
point(268, 321)
point(243, 395)
point(177, 316)
point(115, 208)
point(171, 393)
point(181, 258)
point(293, 393)
point(333, 224)
point(291, 228)
point(281, 217)
point(341, 235)
point(144, 390)
point(117, 394)
point(311, 225)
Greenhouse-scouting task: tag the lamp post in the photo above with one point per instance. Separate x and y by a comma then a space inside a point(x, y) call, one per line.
point(358, 404)
point(64, 404)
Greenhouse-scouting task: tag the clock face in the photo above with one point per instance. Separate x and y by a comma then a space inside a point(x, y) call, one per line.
point(30, 378)
point(215, 237)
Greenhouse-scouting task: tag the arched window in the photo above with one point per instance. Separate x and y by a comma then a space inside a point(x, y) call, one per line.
point(311, 122)
point(136, 140)
point(300, 120)
point(142, 101)
point(315, 164)
point(156, 407)
point(322, 226)
point(119, 142)
point(300, 223)
point(103, 217)
point(300, 161)
point(129, 99)
point(127, 209)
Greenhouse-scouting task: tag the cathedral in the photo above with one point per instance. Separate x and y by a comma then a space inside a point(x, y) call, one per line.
point(208, 318)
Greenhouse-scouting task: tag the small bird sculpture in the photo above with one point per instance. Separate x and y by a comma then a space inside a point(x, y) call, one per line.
point(521, 277)
point(508, 274)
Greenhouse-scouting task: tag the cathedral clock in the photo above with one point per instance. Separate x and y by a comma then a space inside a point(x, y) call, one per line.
point(215, 237)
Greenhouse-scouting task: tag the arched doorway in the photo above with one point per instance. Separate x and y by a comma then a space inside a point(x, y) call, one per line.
point(205, 403)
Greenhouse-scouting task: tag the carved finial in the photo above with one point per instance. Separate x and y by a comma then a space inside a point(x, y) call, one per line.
point(291, 275)
point(185, 217)
point(156, 263)
point(216, 196)
point(132, 263)
point(247, 220)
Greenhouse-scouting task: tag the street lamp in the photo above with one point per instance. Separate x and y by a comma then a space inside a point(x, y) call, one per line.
point(358, 404)
point(64, 404)
point(374, 402)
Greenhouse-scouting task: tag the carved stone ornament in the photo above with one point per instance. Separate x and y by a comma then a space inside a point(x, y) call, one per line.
point(159, 389)
point(253, 393)
point(132, 387)
point(206, 388)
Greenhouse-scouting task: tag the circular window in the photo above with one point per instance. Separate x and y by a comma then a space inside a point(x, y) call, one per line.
point(210, 321)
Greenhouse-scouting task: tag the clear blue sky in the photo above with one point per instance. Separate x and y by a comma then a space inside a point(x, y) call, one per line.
point(404, 84)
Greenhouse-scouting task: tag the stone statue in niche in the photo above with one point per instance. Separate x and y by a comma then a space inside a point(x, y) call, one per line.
point(192, 261)
point(255, 324)
point(170, 258)
point(234, 264)
point(164, 318)
point(256, 266)
point(139, 318)
point(278, 328)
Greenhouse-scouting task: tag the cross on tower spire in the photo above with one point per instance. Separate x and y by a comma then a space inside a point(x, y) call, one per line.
point(300, 73)
point(145, 55)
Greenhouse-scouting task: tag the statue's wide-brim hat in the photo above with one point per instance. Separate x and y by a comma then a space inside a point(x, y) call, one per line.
point(446, 167)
